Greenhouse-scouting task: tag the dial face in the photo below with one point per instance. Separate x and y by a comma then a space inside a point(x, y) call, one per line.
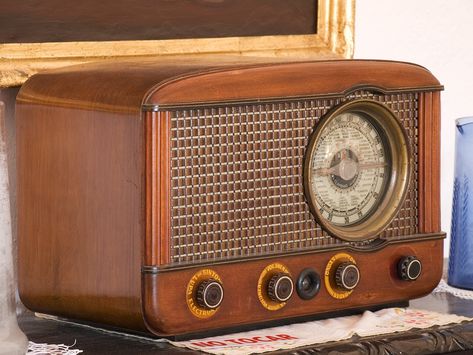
point(350, 168)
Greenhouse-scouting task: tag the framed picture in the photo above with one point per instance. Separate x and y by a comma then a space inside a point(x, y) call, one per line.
point(34, 38)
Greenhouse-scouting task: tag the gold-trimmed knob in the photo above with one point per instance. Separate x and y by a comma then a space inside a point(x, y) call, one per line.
point(347, 276)
point(280, 287)
point(209, 294)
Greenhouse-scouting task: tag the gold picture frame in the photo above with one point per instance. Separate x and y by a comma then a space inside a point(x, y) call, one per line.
point(334, 39)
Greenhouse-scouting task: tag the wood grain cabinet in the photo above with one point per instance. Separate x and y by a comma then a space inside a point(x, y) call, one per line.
point(168, 196)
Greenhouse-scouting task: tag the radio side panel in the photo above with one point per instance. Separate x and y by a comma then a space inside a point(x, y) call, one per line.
point(429, 162)
point(158, 181)
point(80, 212)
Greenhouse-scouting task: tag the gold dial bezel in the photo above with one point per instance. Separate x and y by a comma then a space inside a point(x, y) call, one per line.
point(397, 184)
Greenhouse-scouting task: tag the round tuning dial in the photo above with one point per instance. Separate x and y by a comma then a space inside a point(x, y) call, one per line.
point(347, 276)
point(280, 287)
point(409, 268)
point(209, 294)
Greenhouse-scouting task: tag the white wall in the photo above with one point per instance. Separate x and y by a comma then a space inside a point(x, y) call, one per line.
point(437, 34)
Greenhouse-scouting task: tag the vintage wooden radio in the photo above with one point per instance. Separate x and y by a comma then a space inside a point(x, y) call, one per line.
point(182, 197)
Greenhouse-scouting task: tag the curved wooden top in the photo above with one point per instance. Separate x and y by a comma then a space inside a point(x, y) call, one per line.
point(126, 85)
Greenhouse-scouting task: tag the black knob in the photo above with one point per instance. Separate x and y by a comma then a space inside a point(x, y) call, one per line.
point(308, 284)
point(409, 268)
point(280, 287)
point(209, 294)
point(347, 276)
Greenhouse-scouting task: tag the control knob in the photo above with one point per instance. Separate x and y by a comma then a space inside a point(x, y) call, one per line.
point(409, 268)
point(209, 294)
point(280, 287)
point(347, 276)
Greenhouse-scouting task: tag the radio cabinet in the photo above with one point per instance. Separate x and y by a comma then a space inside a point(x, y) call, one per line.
point(183, 197)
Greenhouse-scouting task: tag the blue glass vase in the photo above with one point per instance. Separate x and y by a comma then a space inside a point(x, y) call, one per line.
point(460, 268)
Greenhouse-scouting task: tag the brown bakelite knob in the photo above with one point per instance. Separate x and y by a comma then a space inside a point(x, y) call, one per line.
point(409, 268)
point(347, 276)
point(209, 294)
point(280, 287)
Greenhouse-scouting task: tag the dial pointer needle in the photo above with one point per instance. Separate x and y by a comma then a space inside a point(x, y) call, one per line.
point(335, 170)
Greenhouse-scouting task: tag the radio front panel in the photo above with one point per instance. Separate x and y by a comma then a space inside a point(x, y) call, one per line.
point(237, 178)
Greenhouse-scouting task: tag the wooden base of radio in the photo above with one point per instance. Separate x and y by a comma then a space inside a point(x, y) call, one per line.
point(167, 310)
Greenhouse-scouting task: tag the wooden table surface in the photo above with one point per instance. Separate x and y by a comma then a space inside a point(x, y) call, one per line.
point(446, 339)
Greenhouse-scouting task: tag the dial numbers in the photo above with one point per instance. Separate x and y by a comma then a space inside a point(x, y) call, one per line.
point(349, 168)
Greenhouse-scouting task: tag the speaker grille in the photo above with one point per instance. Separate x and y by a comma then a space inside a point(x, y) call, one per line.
point(237, 178)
